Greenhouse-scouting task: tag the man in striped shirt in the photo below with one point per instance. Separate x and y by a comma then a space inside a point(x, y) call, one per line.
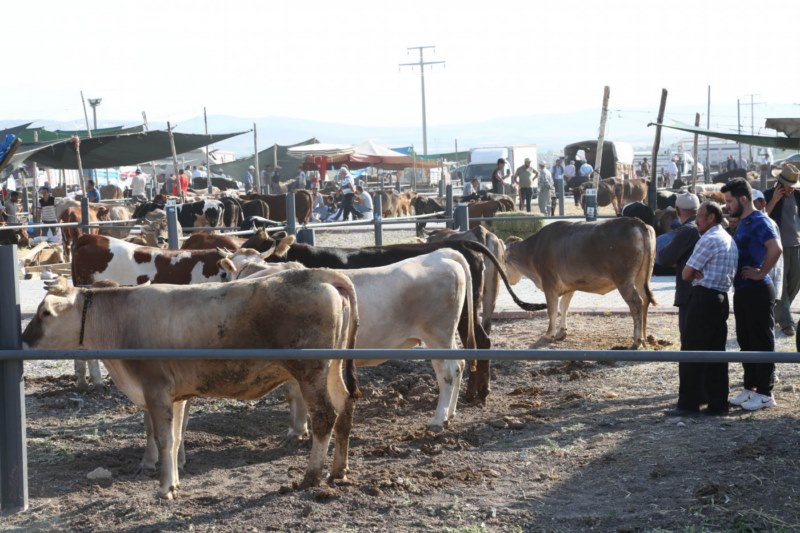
point(711, 269)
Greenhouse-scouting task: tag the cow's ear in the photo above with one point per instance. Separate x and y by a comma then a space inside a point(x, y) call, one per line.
point(284, 245)
point(48, 309)
point(227, 265)
point(102, 212)
point(59, 287)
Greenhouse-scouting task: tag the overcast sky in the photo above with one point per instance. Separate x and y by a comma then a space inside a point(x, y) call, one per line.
point(338, 61)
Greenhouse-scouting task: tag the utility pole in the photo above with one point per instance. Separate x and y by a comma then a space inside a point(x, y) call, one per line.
point(421, 66)
point(752, 123)
point(739, 125)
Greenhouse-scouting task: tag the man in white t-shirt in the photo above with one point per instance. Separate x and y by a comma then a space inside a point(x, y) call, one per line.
point(363, 203)
point(138, 186)
point(672, 173)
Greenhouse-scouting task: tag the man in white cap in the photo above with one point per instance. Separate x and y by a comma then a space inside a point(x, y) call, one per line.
point(672, 173)
point(783, 207)
point(523, 178)
point(678, 251)
point(138, 186)
point(545, 189)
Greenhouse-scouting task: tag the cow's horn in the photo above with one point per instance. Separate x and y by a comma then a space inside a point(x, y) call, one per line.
point(59, 287)
point(224, 253)
point(269, 252)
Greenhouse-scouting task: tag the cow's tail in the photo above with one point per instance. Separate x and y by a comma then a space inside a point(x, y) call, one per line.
point(345, 287)
point(470, 343)
point(649, 238)
point(478, 247)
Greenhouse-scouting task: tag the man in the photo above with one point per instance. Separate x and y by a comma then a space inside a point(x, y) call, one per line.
point(586, 170)
point(523, 178)
point(766, 165)
point(347, 188)
point(672, 173)
point(248, 178)
point(776, 274)
point(558, 169)
point(12, 208)
point(730, 164)
point(644, 168)
point(545, 190)
point(301, 178)
point(138, 186)
point(569, 180)
point(181, 184)
point(471, 190)
point(363, 203)
point(91, 193)
point(783, 207)
point(754, 295)
point(678, 251)
point(498, 177)
point(710, 269)
point(319, 211)
point(196, 173)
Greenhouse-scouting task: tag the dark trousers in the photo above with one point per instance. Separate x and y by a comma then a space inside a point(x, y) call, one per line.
point(525, 196)
point(755, 323)
point(347, 207)
point(706, 329)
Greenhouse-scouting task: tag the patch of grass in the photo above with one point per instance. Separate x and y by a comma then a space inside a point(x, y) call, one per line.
point(520, 228)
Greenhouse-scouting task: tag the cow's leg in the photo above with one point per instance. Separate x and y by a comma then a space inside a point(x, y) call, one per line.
point(298, 414)
point(478, 383)
point(148, 463)
point(563, 308)
point(448, 377)
point(323, 417)
point(94, 373)
point(637, 307)
point(162, 413)
point(491, 290)
point(80, 375)
point(178, 411)
point(551, 298)
point(345, 407)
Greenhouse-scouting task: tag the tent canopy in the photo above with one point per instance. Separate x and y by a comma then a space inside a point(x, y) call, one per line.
point(268, 156)
point(33, 135)
point(787, 143)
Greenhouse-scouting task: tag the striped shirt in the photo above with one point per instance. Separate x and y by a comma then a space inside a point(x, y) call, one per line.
point(716, 256)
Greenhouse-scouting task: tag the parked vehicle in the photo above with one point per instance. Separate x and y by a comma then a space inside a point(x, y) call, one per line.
point(483, 161)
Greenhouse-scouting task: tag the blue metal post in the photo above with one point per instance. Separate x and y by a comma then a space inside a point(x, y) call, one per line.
point(591, 204)
point(377, 220)
point(307, 236)
point(84, 215)
point(291, 217)
point(462, 217)
point(172, 226)
point(13, 443)
point(441, 187)
point(448, 204)
point(560, 193)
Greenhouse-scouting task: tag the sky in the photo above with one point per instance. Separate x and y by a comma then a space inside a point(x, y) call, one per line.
point(339, 61)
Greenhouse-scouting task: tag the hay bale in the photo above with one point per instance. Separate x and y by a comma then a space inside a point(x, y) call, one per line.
point(521, 228)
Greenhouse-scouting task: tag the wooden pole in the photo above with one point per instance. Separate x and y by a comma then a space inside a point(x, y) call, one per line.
point(76, 144)
point(208, 159)
point(598, 159)
point(86, 116)
point(174, 161)
point(651, 193)
point(694, 151)
point(257, 177)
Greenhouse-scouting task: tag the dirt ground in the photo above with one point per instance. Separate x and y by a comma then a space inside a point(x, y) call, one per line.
point(573, 446)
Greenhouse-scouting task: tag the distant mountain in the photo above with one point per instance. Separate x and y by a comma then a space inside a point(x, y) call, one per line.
point(551, 132)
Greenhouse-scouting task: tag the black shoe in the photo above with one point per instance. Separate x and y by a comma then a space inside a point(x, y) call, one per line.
point(715, 411)
point(679, 411)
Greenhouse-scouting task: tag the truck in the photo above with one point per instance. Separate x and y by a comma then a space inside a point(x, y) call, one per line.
point(483, 161)
point(683, 159)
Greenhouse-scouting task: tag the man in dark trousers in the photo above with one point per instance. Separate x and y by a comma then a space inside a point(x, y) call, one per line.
point(783, 206)
point(710, 270)
point(678, 251)
point(754, 297)
point(498, 177)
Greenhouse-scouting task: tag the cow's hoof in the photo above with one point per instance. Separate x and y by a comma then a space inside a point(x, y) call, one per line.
point(82, 386)
point(293, 442)
point(339, 475)
point(169, 494)
point(99, 388)
point(146, 470)
point(436, 428)
point(309, 480)
point(561, 335)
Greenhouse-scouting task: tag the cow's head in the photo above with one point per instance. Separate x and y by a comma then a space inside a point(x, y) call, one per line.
point(155, 229)
point(56, 324)
point(514, 275)
point(213, 211)
point(232, 263)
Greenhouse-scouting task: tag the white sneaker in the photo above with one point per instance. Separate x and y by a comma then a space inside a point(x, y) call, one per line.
point(742, 397)
point(759, 401)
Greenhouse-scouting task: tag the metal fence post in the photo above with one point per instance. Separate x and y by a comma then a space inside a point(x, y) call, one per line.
point(377, 219)
point(591, 204)
point(84, 215)
point(560, 193)
point(13, 443)
point(462, 217)
point(441, 187)
point(172, 226)
point(307, 236)
point(448, 205)
point(291, 217)
point(25, 204)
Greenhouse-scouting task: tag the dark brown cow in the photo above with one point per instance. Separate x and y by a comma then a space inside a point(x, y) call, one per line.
point(617, 193)
point(482, 209)
point(202, 240)
point(70, 234)
point(277, 205)
point(597, 257)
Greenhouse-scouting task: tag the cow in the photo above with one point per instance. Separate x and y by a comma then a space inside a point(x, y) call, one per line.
point(70, 234)
point(425, 205)
point(159, 201)
point(564, 257)
point(255, 208)
point(411, 302)
point(202, 213)
point(350, 258)
point(504, 201)
point(482, 209)
point(203, 240)
point(110, 192)
point(640, 211)
point(617, 192)
point(277, 205)
point(232, 217)
point(154, 231)
point(665, 199)
point(120, 214)
point(393, 203)
point(251, 314)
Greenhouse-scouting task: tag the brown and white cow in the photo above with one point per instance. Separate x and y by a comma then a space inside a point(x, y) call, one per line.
point(617, 192)
point(70, 234)
point(597, 257)
point(402, 305)
point(251, 314)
